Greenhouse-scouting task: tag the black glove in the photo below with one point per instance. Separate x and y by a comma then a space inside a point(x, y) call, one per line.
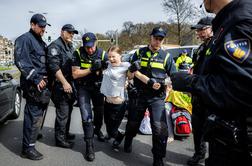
point(105, 65)
point(135, 66)
point(96, 65)
point(151, 82)
point(183, 81)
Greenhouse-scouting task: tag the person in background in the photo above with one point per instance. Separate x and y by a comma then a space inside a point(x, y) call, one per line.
point(183, 62)
point(30, 58)
point(60, 55)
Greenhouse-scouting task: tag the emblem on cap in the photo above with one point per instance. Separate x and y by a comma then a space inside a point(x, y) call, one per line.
point(161, 29)
point(239, 49)
point(87, 38)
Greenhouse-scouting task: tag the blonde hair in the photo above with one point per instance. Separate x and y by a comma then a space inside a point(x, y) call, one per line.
point(115, 49)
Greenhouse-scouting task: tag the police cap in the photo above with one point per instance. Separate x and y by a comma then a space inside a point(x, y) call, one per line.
point(158, 32)
point(39, 19)
point(203, 22)
point(69, 28)
point(89, 39)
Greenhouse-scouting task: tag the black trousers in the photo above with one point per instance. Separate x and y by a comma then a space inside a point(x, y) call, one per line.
point(156, 107)
point(198, 121)
point(33, 116)
point(63, 118)
point(113, 116)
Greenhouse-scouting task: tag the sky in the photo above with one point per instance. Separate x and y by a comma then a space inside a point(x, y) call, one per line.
point(98, 16)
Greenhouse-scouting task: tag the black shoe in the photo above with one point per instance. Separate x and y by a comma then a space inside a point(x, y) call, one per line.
point(70, 136)
point(40, 136)
point(118, 140)
point(196, 160)
point(64, 144)
point(158, 161)
point(128, 144)
point(99, 135)
point(32, 154)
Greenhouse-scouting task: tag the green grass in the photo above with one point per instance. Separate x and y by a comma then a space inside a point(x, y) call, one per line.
point(2, 68)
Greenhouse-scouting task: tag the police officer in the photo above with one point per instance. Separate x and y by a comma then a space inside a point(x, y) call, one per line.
point(30, 58)
point(183, 62)
point(204, 32)
point(225, 83)
point(156, 64)
point(60, 53)
point(87, 70)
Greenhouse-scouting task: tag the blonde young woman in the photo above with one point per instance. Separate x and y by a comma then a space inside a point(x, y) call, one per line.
point(113, 88)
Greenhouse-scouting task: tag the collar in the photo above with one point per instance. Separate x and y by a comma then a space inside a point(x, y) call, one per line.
point(38, 37)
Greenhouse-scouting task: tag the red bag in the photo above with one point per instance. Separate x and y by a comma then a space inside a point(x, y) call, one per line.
point(181, 122)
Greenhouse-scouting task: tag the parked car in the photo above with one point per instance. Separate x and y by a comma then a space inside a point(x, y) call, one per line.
point(176, 51)
point(10, 97)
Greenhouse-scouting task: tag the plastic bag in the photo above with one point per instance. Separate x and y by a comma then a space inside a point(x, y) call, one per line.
point(145, 126)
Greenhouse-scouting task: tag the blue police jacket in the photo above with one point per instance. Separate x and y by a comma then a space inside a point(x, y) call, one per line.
point(158, 65)
point(225, 79)
point(60, 56)
point(30, 58)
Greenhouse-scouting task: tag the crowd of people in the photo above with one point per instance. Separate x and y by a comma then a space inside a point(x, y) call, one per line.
point(219, 82)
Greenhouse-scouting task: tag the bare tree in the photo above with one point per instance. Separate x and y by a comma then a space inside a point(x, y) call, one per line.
point(128, 27)
point(182, 13)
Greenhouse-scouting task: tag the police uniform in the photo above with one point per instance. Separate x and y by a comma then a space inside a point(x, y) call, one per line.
point(156, 65)
point(30, 58)
point(183, 62)
point(60, 55)
point(225, 86)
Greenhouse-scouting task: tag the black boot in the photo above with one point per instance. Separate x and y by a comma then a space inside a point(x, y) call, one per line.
point(89, 156)
point(118, 140)
point(99, 135)
point(128, 144)
point(70, 136)
point(158, 161)
point(31, 154)
point(64, 144)
point(196, 159)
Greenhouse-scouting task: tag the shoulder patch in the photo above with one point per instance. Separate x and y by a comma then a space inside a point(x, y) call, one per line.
point(54, 51)
point(239, 49)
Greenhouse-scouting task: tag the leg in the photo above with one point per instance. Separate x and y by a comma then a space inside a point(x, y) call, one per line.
point(136, 111)
point(159, 130)
point(69, 135)
point(98, 109)
point(33, 115)
point(88, 129)
point(62, 112)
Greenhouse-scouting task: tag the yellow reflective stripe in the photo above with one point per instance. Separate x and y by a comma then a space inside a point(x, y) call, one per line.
point(145, 59)
point(148, 53)
point(157, 65)
point(86, 65)
point(155, 54)
point(144, 64)
point(208, 52)
point(78, 51)
point(103, 53)
point(137, 52)
point(166, 58)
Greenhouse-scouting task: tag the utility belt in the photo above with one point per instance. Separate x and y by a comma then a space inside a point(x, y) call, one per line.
point(43, 96)
point(89, 84)
point(58, 93)
point(232, 133)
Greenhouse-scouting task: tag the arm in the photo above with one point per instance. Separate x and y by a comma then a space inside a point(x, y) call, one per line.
point(24, 63)
point(78, 73)
point(66, 86)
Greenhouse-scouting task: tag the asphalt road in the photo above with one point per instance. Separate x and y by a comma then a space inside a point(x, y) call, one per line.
point(11, 138)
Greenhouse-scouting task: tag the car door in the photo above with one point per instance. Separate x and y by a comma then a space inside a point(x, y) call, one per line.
point(5, 96)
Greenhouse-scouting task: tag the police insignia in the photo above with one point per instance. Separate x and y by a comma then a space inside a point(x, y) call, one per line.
point(54, 51)
point(239, 49)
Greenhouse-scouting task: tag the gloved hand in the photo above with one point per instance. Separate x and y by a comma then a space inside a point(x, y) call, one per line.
point(183, 81)
point(135, 66)
point(96, 65)
point(105, 65)
point(151, 82)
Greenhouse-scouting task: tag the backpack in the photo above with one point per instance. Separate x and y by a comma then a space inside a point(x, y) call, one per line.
point(181, 122)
